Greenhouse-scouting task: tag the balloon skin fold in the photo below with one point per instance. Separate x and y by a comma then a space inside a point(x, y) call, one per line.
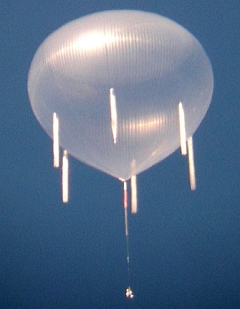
point(151, 62)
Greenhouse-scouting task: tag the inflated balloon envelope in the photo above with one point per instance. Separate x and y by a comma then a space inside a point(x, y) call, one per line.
point(120, 91)
point(149, 61)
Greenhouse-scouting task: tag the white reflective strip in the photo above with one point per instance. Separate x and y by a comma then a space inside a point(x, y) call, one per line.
point(134, 194)
point(182, 129)
point(113, 111)
point(55, 140)
point(65, 172)
point(192, 177)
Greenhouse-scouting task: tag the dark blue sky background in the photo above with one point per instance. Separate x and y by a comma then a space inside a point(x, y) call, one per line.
point(184, 246)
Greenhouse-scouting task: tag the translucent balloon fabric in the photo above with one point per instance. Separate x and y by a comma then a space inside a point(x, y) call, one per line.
point(150, 63)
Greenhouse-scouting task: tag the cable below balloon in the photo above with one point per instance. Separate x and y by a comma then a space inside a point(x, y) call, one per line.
point(129, 293)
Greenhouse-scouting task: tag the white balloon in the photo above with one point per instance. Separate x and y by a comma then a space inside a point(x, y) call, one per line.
point(149, 63)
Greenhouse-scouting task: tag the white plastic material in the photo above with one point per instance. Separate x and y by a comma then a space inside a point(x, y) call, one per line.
point(152, 64)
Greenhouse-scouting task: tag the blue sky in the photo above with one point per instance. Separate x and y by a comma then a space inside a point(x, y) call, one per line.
point(184, 245)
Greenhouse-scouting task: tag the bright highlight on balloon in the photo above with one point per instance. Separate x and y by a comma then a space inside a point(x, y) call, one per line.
point(65, 165)
point(55, 140)
point(113, 109)
point(120, 91)
point(182, 129)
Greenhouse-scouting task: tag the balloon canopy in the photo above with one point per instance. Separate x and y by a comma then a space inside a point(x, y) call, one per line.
point(146, 63)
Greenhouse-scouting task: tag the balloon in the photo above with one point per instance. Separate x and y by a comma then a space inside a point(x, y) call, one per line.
point(115, 80)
